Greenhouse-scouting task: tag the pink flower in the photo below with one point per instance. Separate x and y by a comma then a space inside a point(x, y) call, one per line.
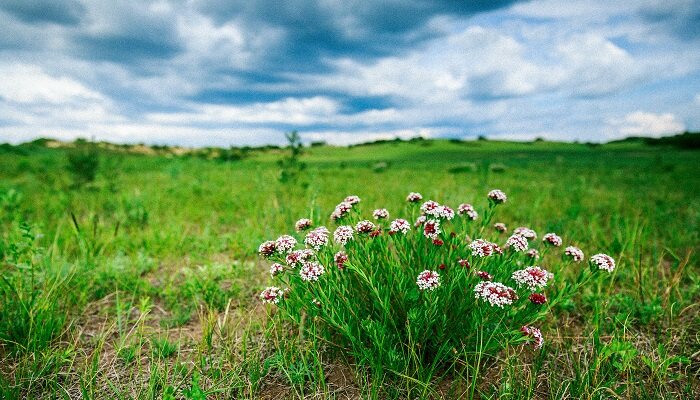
point(429, 205)
point(463, 263)
point(525, 232)
point(497, 196)
point(420, 221)
point(341, 210)
point(431, 228)
point(297, 257)
point(500, 226)
point(352, 199)
point(532, 277)
point(485, 276)
point(317, 238)
point(267, 249)
point(443, 212)
point(285, 244)
point(534, 254)
point(380, 213)
point(303, 224)
point(517, 243)
point(276, 269)
point(538, 298)
point(428, 280)
point(603, 261)
point(575, 253)
point(552, 239)
point(340, 259)
point(483, 248)
point(534, 334)
point(496, 294)
point(414, 197)
point(438, 242)
point(310, 271)
point(399, 225)
point(467, 209)
point(365, 226)
point(271, 295)
point(343, 234)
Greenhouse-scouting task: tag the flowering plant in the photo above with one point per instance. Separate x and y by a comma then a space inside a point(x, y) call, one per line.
point(400, 296)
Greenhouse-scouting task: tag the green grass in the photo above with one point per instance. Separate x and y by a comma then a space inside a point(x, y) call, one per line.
point(143, 283)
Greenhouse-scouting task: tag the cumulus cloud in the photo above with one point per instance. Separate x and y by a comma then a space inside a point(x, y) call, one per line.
point(640, 123)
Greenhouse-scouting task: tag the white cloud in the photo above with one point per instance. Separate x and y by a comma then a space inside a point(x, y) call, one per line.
point(640, 123)
point(24, 83)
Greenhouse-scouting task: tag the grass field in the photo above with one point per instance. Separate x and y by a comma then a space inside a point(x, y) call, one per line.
point(144, 282)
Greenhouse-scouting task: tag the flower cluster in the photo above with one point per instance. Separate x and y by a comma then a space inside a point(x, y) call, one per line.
point(428, 280)
point(532, 277)
point(534, 334)
point(399, 225)
point(380, 213)
point(272, 295)
point(537, 298)
point(341, 210)
point(311, 271)
point(343, 234)
point(352, 199)
point(267, 249)
point(436, 210)
point(303, 224)
point(552, 239)
point(317, 238)
point(484, 248)
point(414, 197)
point(297, 257)
point(575, 253)
point(500, 227)
point(285, 243)
point(517, 243)
point(496, 294)
point(467, 209)
point(340, 258)
point(276, 269)
point(533, 253)
point(497, 196)
point(525, 232)
point(603, 261)
point(365, 226)
point(484, 276)
point(431, 229)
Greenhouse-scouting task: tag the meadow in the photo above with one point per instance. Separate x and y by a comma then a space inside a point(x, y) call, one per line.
point(144, 281)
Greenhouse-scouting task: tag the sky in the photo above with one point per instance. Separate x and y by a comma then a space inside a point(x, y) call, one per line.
point(232, 73)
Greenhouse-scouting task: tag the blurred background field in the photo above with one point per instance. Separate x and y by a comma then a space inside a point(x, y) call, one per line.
point(132, 271)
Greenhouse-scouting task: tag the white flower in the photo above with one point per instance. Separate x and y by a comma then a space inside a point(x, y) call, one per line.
point(310, 271)
point(467, 209)
point(483, 248)
point(271, 295)
point(553, 239)
point(497, 196)
point(352, 199)
point(428, 280)
point(303, 224)
point(603, 261)
point(285, 244)
point(399, 225)
point(496, 294)
point(267, 248)
point(534, 334)
point(525, 232)
point(343, 234)
point(295, 258)
point(317, 238)
point(575, 253)
point(429, 206)
point(517, 243)
point(365, 226)
point(276, 269)
point(532, 277)
point(380, 213)
point(414, 197)
point(431, 228)
point(341, 210)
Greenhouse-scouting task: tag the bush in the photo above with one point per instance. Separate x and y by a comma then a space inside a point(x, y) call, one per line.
point(412, 301)
point(83, 162)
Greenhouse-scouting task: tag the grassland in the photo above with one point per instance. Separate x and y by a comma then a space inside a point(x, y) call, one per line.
point(143, 282)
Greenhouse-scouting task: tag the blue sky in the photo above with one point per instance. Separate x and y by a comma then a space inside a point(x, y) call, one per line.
point(219, 72)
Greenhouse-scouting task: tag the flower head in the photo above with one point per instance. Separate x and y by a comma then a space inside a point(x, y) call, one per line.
point(352, 199)
point(414, 197)
point(420, 221)
point(483, 248)
point(575, 253)
point(297, 257)
point(468, 210)
point(341, 210)
point(343, 234)
point(365, 226)
point(497, 196)
point(380, 213)
point(552, 239)
point(537, 298)
point(276, 269)
point(340, 258)
point(603, 261)
point(485, 276)
point(310, 271)
point(534, 254)
point(428, 280)
point(496, 294)
point(317, 238)
point(399, 225)
point(271, 295)
point(438, 242)
point(443, 212)
point(500, 227)
point(431, 228)
point(303, 224)
point(532, 277)
point(534, 334)
point(463, 263)
point(525, 232)
point(285, 243)
point(517, 242)
point(429, 205)
point(268, 248)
